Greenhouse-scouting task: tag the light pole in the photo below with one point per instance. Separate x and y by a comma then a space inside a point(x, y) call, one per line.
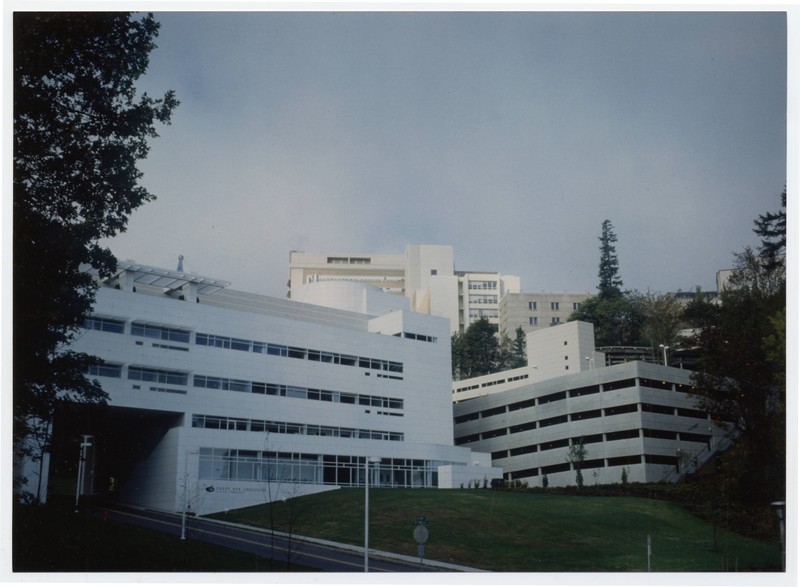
point(664, 348)
point(185, 492)
point(81, 468)
point(780, 508)
point(590, 360)
point(367, 461)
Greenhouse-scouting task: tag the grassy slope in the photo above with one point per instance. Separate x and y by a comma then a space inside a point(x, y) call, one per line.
point(525, 532)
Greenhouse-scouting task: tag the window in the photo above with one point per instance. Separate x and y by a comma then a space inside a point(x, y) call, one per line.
point(277, 350)
point(554, 305)
point(434, 272)
point(106, 370)
point(555, 320)
point(238, 344)
point(483, 299)
point(482, 285)
point(297, 353)
point(576, 306)
point(617, 410)
point(522, 427)
point(157, 375)
point(622, 435)
point(533, 321)
point(160, 332)
point(655, 384)
point(104, 324)
point(531, 305)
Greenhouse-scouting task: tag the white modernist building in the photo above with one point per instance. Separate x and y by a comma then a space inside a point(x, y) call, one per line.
point(424, 274)
point(635, 417)
point(229, 399)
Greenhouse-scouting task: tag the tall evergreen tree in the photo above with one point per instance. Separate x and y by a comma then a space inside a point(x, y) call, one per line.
point(771, 227)
point(610, 284)
point(618, 316)
point(79, 130)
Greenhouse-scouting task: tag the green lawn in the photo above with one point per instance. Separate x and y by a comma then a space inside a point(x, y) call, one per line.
point(524, 532)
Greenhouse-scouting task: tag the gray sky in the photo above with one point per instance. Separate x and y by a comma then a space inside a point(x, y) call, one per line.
point(510, 136)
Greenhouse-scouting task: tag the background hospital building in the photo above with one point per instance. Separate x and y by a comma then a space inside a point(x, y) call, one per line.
point(426, 275)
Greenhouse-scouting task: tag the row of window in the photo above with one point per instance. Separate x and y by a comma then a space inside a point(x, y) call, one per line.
point(577, 392)
point(553, 305)
point(474, 313)
point(491, 383)
point(578, 416)
point(627, 460)
point(607, 437)
point(159, 332)
point(534, 320)
point(209, 382)
point(343, 470)
point(482, 299)
point(273, 427)
point(280, 350)
point(103, 324)
point(482, 285)
point(342, 397)
point(349, 260)
point(622, 461)
point(415, 336)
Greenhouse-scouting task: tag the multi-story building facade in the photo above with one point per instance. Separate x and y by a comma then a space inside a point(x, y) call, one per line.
point(425, 274)
point(239, 398)
point(638, 417)
point(534, 311)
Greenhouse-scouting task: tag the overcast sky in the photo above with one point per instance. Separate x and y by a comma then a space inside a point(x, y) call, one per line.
point(510, 136)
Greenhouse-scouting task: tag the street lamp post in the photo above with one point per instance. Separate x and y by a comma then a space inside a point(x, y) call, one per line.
point(81, 468)
point(780, 509)
point(367, 461)
point(664, 348)
point(185, 492)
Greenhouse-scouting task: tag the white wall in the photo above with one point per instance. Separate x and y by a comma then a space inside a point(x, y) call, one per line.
point(423, 260)
point(560, 350)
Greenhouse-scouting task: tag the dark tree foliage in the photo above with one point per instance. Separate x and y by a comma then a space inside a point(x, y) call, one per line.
point(476, 351)
point(513, 353)
point(741, 379)
point(663, 316)
point(610, 285)
point(618, 321)
point(79, 130)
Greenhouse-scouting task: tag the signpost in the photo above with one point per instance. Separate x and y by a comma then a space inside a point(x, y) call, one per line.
point(421, 537)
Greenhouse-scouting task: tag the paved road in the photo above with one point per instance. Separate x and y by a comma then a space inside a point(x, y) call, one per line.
point(317, 554)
